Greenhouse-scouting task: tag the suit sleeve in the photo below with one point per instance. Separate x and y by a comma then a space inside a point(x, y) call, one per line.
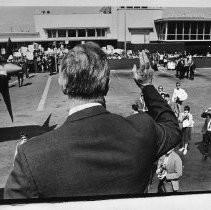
point(168, 134)
point(177, 170)
point(20, 183)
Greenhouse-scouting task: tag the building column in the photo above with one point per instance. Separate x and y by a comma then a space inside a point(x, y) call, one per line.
point(66, 33)
point(166, 25)
point(76, 30)
point(183, 30)
point(189, 31)
point(203, 30)
point(176, 32)
point(197, 29)
point(210, 31)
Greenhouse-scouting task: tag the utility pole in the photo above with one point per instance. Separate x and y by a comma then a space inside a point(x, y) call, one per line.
point(125, 43)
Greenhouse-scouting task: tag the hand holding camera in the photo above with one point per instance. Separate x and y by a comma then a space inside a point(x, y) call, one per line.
point(161, 172)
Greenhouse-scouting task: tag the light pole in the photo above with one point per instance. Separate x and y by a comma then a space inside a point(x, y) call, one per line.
point(125, 43)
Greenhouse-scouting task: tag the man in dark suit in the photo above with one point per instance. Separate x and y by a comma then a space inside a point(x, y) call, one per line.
point(95, 152)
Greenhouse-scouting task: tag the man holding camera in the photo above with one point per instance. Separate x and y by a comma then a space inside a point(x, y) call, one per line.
point(169, 170)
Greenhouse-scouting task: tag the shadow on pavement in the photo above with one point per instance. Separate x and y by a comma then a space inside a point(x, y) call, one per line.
point(13, 133)
point(200, 148)
point(31, 76)
point(28, 83)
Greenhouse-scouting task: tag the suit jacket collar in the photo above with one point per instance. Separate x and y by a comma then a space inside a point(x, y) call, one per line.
point(86, 113)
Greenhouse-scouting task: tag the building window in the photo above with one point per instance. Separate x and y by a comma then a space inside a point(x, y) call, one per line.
point(81, 32)
point(207, 30)
point(101, 32)
point(179, 30)
point(72, 33)
point(193, 30)
point(90, 32)
point(51, 33)
point(62, 33)
point(171, 28)
point(200, 30)
point(186, 30)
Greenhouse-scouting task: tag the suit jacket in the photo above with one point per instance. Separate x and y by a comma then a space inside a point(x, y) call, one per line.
point(173, 168)
point(95, 153)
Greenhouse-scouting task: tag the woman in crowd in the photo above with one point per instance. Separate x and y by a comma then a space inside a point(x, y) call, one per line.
point(186, 118)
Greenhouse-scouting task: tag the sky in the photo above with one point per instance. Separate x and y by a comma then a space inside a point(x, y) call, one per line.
point(21, 18)
point(17, 15)
point(163, 3)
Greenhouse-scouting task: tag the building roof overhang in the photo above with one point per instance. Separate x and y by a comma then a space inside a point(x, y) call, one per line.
point(182, 19)
point(141, 29)
point(18, 33)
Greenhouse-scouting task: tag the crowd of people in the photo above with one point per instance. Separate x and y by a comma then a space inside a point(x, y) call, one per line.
point(169, 166)
point(37, 60)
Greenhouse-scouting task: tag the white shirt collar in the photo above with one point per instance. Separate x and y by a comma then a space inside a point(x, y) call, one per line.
point(209, 125)
point(81, 107)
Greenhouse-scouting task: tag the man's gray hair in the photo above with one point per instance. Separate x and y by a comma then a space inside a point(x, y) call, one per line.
point(84, 72)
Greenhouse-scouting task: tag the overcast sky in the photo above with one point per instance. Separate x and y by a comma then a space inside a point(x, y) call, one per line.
point(164, 3)
point(16, 15)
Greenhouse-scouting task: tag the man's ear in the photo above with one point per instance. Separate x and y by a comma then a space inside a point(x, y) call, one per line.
point(107, 85)
point(63, 83)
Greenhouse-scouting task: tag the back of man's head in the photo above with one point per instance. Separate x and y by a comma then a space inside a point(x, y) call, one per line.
point(84, 72)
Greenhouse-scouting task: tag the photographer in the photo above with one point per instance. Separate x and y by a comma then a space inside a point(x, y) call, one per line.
point(169, 170)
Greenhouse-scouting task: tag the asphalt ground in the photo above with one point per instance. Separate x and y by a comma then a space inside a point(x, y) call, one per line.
point(40, 106)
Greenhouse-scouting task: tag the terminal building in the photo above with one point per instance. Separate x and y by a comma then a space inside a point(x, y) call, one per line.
point(118, 25)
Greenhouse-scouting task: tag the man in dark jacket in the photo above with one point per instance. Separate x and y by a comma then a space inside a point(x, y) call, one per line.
point(95, 152)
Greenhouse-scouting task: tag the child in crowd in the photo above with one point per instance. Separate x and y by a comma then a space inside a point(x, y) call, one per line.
point(167, 98)
point(186, 119)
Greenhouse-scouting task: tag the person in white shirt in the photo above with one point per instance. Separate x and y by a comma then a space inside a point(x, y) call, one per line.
point(179, 95)
point(206, 131)
point(186, 118)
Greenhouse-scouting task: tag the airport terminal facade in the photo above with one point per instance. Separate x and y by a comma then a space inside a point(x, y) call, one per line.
point(135, 25)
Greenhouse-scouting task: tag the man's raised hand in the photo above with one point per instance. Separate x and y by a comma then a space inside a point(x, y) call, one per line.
point(143, 76)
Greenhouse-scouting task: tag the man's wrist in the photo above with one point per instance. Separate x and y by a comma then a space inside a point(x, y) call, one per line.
point(144, 85)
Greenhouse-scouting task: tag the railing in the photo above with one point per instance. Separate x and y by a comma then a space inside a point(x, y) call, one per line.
point(185, 37)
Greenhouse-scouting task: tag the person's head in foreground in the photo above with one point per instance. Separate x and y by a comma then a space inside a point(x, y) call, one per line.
point(84, 73)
